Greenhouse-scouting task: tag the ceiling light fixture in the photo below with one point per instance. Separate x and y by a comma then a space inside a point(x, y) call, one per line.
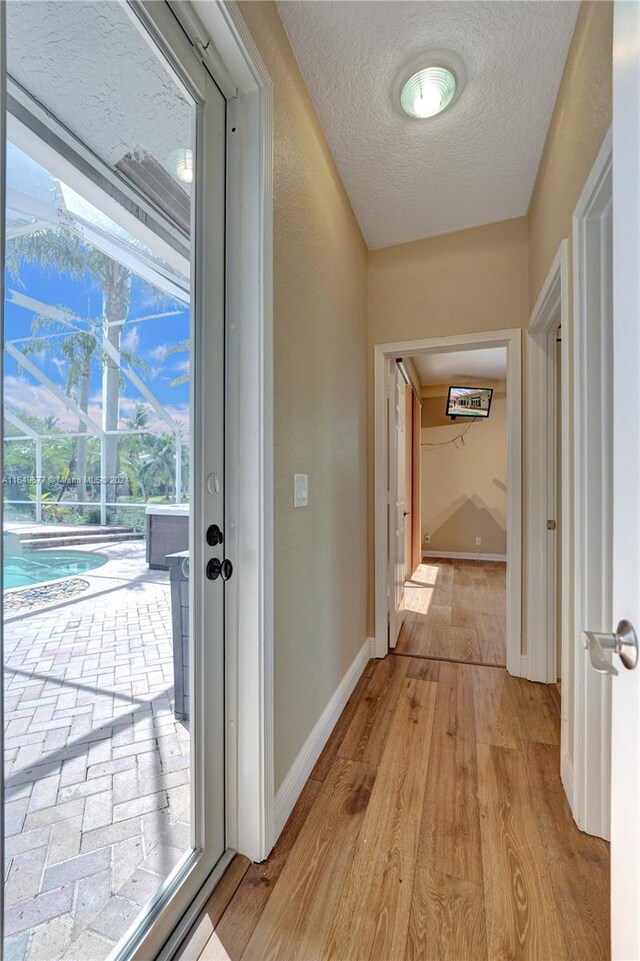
point(428, 92)
point(182, 162)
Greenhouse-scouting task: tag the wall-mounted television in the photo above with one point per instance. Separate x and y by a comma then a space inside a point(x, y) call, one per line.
point(469, 401)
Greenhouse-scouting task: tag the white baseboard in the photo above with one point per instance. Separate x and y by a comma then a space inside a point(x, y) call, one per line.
point(566, 776)
point(292, 786)
point(461, 555)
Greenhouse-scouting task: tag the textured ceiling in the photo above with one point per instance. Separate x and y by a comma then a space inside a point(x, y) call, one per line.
point(474, 164)
point(490, 363)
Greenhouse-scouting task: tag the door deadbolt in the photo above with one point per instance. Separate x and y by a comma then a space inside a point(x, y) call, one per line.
point(217, 568)
point(214, 535)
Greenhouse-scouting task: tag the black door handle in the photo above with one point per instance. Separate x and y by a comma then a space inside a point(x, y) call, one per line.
point(214, 535)
point(217, 568)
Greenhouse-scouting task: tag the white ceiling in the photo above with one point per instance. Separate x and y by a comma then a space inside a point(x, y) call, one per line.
point(474, 164)
point(488, 364)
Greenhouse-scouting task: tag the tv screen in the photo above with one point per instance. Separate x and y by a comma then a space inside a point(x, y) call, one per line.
point(469, 401)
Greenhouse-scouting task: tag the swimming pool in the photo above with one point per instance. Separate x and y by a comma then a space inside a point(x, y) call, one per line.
point(36, 567)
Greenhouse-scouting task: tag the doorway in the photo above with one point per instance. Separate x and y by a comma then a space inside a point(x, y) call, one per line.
point(432, 579)
point(455, 594)
point(114, 620)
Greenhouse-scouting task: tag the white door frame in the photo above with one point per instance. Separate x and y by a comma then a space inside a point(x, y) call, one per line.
point(396, 455)
point(550, 313)
point(592, 407)
point(511, 339)
point(220, 34)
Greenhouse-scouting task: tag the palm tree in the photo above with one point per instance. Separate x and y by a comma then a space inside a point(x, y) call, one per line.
point(78, 346)
point(137, 459)
point(163, 464)
point(50, 424)
point(59, 250)
point(182, 347)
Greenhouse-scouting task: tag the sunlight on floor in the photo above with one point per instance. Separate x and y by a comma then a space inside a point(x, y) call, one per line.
point(418, 592)
point(424, 574)
point(216, 951)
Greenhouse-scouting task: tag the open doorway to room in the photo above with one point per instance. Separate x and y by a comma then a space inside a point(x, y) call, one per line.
point(455, 457)
point(448, 499)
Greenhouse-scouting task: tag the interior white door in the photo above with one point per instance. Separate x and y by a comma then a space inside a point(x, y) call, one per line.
point(396, 474)
point(625, 761)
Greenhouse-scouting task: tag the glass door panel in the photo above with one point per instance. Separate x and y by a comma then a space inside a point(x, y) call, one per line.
point(113, 445)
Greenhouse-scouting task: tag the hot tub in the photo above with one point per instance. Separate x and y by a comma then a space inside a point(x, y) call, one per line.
point(167, 533)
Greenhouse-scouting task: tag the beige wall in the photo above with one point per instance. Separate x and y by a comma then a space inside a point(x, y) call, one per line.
point(464, 488)
point(465, 282)
point(581, 118)
point(319, 406)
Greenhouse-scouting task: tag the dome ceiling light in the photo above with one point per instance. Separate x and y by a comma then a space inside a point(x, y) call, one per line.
point(428, 92)
point(429, 84)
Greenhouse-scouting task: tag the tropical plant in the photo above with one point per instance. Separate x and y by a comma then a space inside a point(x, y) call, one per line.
point(135, 454)
point(59, 250)
point(162, 466)
point(50, 424)
point(79, 347)
point(182, 347)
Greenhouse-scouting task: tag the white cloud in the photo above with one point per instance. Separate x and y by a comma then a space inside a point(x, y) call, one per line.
point(131, 340)
point(159, 352)
point(38, 400)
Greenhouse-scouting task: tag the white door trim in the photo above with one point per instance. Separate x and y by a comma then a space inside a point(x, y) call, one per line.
point(396, 455)
point(511, 339)
point(235, 62)
point(551, 311)
point(592, 406)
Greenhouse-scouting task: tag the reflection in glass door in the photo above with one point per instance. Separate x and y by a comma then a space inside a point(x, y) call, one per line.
point(111, 629)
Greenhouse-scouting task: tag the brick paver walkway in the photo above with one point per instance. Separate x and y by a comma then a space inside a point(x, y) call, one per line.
point(97, 770)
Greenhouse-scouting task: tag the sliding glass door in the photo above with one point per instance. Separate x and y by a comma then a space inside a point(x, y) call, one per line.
point(113, 479)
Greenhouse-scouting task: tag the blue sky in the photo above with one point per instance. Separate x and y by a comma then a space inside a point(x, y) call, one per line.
point(148, 339)
point(28, 185)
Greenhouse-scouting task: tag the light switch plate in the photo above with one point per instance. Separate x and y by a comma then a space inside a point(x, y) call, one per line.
point(300, 490)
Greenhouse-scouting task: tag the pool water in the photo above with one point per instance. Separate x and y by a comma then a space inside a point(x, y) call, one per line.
point(25, 569)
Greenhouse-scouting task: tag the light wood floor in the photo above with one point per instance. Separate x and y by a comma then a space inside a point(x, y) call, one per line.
point(434, 826)
point(456, 610)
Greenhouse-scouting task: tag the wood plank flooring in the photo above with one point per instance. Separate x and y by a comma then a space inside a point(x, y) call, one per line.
point(434, 827)
point(456, 611)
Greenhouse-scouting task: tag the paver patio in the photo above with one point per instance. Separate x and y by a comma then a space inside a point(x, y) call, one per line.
point(97, 767)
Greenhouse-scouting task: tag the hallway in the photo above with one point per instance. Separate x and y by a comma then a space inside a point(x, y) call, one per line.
point(434, 826)
point(456, 611)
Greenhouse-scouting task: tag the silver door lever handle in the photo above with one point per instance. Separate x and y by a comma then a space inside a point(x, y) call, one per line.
point(624, 642)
